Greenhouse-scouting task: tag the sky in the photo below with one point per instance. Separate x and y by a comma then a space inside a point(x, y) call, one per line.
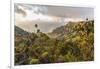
point(48, 17)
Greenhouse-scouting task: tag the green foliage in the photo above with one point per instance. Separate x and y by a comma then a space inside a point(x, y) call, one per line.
point(34, 61)
point(45, 54)
point(70, 57)
point(75, 43)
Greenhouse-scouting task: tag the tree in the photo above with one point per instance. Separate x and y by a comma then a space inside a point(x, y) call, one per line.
point(36, 26)
point(38, 30)
point(86, 19)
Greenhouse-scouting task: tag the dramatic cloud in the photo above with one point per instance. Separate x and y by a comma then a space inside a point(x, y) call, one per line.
point(48, 17)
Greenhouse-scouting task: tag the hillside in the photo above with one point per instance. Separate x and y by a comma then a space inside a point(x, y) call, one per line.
point(71, 28)
point(73, 42)
point(19, 31)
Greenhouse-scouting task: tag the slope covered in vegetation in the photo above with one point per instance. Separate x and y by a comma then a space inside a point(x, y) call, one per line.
point(19, 31)
point(74, 42)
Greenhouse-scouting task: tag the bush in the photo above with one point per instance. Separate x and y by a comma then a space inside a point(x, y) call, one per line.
point(34, 61)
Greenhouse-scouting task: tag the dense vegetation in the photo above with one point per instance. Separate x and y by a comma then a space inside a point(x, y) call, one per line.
point(73, 42)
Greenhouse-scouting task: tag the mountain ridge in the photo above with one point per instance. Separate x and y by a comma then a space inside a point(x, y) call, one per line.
point(20, 31)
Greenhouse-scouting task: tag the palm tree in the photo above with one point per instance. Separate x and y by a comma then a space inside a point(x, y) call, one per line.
point(36, 25)
point(37, 30)
point(86, 19)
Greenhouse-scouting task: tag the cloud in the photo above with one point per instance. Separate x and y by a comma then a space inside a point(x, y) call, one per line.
point(31, 13)
point(20, 10)
point(48, 17)
point(71, 12)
